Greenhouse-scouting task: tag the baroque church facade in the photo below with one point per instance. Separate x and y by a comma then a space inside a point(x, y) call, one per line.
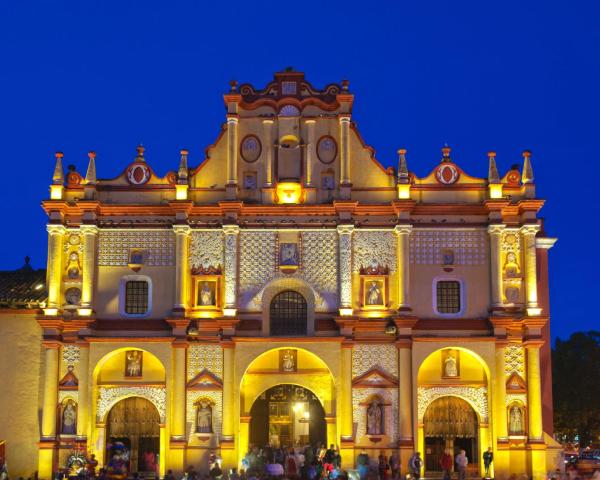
point(287, 290)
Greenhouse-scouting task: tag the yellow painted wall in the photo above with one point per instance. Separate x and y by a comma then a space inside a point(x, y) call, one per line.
point(20, 400)
point(113, 370)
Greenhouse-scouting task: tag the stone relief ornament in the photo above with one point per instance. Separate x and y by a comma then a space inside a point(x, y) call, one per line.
point(109, 396)
point(516, 397)
point(448, 247)
point(71, 354)
point(206, 249)
point(476, 396)
point(387, 401)
point(114, 247)
point(193, 404)
point(133, 363)
point(374, 248)
point(205, 357)
point(450, 363)
point(288, 360)
point(514, 360)
point(366, 356)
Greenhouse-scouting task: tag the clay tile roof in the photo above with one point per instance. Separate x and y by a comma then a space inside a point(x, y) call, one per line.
point(23, 288)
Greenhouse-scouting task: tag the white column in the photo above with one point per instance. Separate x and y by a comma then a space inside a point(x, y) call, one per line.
point(182, 233)
point(344, 149)
point(232, 149)
point(310, 151)
point(495, 232)
point(501, 426)
point(231, 263)
point(268, 149)
point(54, 270)
point(534, 391)
point(402, 260)
point(179, 381)
point(345, 259)
point(83, 406)
point(90, 236)
point(528, 233)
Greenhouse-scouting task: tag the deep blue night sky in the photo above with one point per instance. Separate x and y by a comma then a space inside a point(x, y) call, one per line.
point(505, 76)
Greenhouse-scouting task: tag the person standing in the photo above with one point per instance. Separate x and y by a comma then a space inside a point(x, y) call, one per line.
point(363, 464)
point(414, 465)
point(488, 458)
point(461, 464)
point(382, 466)
point(395, 465)
point(446, 463)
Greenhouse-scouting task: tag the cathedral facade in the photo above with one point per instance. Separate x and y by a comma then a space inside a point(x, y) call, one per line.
point(287, 290)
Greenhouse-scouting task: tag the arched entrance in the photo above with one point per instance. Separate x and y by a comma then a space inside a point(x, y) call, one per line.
point(287, 415)
point(450, 423)
point(133, 434)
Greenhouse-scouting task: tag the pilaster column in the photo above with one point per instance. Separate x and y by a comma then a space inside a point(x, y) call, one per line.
point(178, 407)
point(83, 406)
point(310, 152)
point(495, 231)
point(268, 149)
point(344, 149)
point(405, 395)
point(228, 400)
point(232, 148)
point(402, 261)
point(528, 233)
point(501, 426)
point(345, 259)
point(50, 390)
point(534, 391)
point(54, 269)
point(231, 265)
point(182, 235)
point(347, 427)
point(90, 237)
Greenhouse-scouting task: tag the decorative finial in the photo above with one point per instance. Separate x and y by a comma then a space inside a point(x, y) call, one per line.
point(345, 85)
point(527, 176)
point(182, 172)
point(493, 176)
point(140, 153)
point(402, 167)
point(446, 153)
point(233, 84)
point(58, 178)
point(90, 176)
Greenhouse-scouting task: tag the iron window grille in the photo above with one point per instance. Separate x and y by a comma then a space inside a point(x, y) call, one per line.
point(288, 314)
point(136, 297)
point(448, 296)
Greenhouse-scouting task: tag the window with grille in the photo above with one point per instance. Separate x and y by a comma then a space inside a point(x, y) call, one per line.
point(288, 314)
point(448, 296)
point(136, 297)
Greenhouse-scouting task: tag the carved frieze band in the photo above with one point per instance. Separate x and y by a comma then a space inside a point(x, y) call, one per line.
point(109, 396)
point(114, 247)
point(476, 396)
point(427, 247)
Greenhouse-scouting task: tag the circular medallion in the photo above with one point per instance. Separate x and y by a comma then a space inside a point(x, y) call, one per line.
point(513, 177)
point(73, 296)
point(326, 149)
point(138, 174)
point(74, 239)
point(510, 238)
point(250, 148)
point(447, 174)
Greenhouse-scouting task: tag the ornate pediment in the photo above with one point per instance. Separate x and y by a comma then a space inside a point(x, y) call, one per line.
point(375, 378)
point(515, 384)
point(205, 380)
point(69, 381)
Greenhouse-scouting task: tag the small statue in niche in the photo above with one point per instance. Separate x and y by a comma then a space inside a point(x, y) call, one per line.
point(450, 366)
point(69, 419)
point(511, 294)
point(73, 265)
point(374, 296)
point(133, 364)
point(447, 257)
point(204, 418)
point(515, 424)
point(287, 361)
point(374, 419)
point(206, 295)
point(511, 266)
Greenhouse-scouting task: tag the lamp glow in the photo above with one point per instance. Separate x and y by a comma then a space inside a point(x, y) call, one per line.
point(289, 192)
point(229, 312)
point(495, 190)
point(345, 312)
point(56, 192)
point(181, 192)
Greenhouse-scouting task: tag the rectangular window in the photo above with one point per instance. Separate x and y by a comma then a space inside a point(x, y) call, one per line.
point(448, 296)
point(136, 297)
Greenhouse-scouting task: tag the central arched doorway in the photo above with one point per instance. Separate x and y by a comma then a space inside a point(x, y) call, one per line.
point(133, 435)
point(287, 415)
point(450, 423)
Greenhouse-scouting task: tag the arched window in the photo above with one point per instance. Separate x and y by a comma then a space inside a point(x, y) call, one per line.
point(288, 314)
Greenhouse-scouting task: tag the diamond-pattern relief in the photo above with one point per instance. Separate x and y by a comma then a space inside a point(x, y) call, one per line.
point(257, 260)
point(367, 356)
point(374, 247)
point(319, 264)
point(205, 357)
point(114, 247)
point(514, 360)
point(468, 246)
point(206, 249)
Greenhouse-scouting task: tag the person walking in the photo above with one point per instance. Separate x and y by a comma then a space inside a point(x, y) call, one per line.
point(488, 458)
point(446, 463)
point(461, 465)
point(414, 465)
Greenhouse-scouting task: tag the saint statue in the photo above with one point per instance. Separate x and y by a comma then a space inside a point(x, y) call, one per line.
point(206, 295)
point(511, 266)
point(511, 294)
point(204, 418)
point(450, 368)
point(374, 415)
point(134, 364)
point(374, 295)
point(69, 419)
point(515, 425)
point(288, 361)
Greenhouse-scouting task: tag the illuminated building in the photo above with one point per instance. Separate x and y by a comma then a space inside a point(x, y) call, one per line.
point(288, 289)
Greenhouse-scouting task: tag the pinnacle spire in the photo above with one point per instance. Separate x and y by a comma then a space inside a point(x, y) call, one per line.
point(402, 167)
point(140, 154)
point(527, 176)
point(182, 172)
point(493, 176)
point(58, 178)
point(90, 176)
point(446, 153)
